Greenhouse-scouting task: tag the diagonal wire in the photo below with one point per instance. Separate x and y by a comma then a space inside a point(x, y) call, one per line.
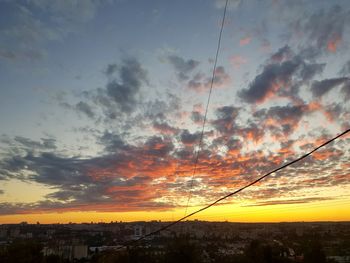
point(200, 143)
point(238, 190)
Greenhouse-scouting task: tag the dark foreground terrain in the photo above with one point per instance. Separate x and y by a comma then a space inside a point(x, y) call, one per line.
point(192, 241)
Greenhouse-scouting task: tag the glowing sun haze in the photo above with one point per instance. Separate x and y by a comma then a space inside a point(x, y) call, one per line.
point(102, 104)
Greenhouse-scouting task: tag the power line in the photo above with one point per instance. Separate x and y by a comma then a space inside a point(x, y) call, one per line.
point(238, 190)
point(207, 107)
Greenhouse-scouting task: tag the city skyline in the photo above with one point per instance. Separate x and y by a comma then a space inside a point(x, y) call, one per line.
point(102, 105)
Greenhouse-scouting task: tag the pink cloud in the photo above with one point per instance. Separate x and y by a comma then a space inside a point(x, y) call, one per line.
point(237, 61)
point(333, 44)
point(245, 41)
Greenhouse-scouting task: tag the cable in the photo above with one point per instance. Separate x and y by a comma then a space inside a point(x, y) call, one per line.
point(207, 107)
point(237, 191)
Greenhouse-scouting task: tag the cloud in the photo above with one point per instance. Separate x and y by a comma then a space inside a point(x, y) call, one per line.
point(267, 84)
point(334, 111)
point(183, 67)
point(111, 68)
point(24, 27)
point(221, 77)
point(85, 108)
point(197, 117)
point(252, 132)
point(345, 71)
point(188, 138)
point(284, 118)
point(80, 107)
point(157, 109)
point(122, 99)
point(105, 183)
point(113, 142)
point(325, 29)
point(135, 168)
point(26, 143)
point(225, 121)
point(283, 54)
point(201, 84)
point(133, 177)
point(28, 25)
point(292, 201)
point(333, 44)
point(120, 96)
point(165, 128)
point(245, 41)
point(124, 91)
point(158, 146)
point(282, 76)
point(320, 88)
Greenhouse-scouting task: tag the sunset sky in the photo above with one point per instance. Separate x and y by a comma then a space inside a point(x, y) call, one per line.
point(102, 104)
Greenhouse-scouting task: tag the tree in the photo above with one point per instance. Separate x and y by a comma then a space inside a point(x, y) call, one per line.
point(314, 253)
point(22, 252)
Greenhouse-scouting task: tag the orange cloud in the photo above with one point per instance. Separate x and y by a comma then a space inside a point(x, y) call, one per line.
point(245, 41)
point(333, 44)
point(326, 154)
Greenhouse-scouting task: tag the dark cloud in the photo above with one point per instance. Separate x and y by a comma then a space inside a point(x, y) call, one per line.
point(334, 111)
point(188, 138)
point(23, 142)
point(196, 82)
point(23, 23)
point(232, 145)
point(111, 69)
point(46, 143)
point(345, 71)
point(281, 113)
point(197, 117)
point(221, 77)
point(120, 97)
point(183, 67)
point(325, 29)
point(283, 54)
point(124, 91)
point(85, 108)
point(320, 88)
point(158, 146)
point(106, 182)
point(226, 117)
point(158, 108)
point(269, 81)
point(281, 77)
point(123, 178)
point(310, 70)
point(310, 53)
point(80, 107)
point(292, 201)
point(281, 118)
point(164, 128)
point(200, 84)
point(184, 154)
point(113, 142)
point(251, 132)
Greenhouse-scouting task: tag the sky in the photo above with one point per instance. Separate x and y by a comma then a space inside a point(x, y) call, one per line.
point(102, 104)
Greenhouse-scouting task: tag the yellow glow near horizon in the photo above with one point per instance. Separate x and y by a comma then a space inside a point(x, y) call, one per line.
point(333, 210)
